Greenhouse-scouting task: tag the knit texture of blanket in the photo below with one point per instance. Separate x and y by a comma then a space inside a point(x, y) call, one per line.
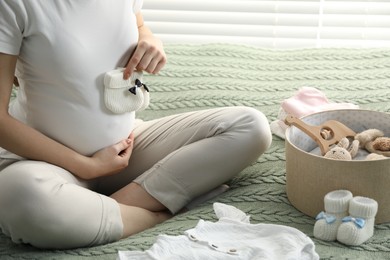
point(217, 75)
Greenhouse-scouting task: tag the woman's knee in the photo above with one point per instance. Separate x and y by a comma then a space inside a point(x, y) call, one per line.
point(30, 209)
point(253, 126)
point(20, 183)
point(23, 200)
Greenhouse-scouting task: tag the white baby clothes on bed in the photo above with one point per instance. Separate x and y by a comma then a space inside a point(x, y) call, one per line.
point(306, 101)
point(231, 237)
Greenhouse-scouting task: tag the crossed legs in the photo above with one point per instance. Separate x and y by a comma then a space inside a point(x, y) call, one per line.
point(180, 157)
point(175, 159)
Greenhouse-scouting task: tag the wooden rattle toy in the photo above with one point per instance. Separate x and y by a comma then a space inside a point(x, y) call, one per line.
point(325, 135)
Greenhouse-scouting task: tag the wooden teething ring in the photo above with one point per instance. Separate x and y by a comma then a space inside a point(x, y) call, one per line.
point(325, 135)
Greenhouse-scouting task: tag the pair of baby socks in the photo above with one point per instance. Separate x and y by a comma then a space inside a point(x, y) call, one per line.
point(347, 219)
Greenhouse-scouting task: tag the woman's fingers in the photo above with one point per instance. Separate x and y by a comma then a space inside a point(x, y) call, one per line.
point(126, 149)
point(122, 145)
point(148, 56)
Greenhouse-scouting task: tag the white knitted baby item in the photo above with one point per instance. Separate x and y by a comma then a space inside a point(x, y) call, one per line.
point(336, 208)
point(121, 96)
point(358, 227)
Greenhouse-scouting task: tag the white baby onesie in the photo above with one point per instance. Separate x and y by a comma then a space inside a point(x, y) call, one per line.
point(231, 237)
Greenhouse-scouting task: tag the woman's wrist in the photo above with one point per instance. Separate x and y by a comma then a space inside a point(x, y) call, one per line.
point(80, 166)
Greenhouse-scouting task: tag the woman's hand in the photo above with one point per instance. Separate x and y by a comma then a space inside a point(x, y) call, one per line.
point(109, 160)
point(149, 54)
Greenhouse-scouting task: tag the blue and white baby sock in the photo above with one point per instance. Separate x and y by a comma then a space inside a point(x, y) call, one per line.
point(348, 219)
point(336, 208)
point(358, 227)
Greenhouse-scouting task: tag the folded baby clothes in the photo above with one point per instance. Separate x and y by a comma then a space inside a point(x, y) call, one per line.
point(231, 237)
point(306, 101)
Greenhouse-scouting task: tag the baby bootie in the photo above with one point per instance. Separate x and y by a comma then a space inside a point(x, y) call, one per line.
point(358, 227)
point(336, 208)
point(121, 96)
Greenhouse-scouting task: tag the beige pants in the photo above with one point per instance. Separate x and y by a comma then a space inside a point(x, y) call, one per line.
point(175, 159)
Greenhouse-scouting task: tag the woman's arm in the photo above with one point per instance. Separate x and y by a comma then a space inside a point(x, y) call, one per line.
point(149, 54)
point(27, 142)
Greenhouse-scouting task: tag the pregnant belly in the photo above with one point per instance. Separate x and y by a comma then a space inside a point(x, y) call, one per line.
point(85, 133)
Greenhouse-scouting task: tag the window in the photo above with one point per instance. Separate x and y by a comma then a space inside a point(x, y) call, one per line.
point(275, 24)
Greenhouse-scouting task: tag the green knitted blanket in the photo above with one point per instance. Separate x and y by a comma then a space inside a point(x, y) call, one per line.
point(216, 75)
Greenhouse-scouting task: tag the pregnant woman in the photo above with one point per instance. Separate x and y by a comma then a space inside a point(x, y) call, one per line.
point(73, 173)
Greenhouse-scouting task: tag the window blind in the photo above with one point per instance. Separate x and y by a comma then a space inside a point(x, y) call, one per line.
point(272, 24)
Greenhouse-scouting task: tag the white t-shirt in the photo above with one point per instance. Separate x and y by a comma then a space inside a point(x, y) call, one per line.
point(65, 47)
